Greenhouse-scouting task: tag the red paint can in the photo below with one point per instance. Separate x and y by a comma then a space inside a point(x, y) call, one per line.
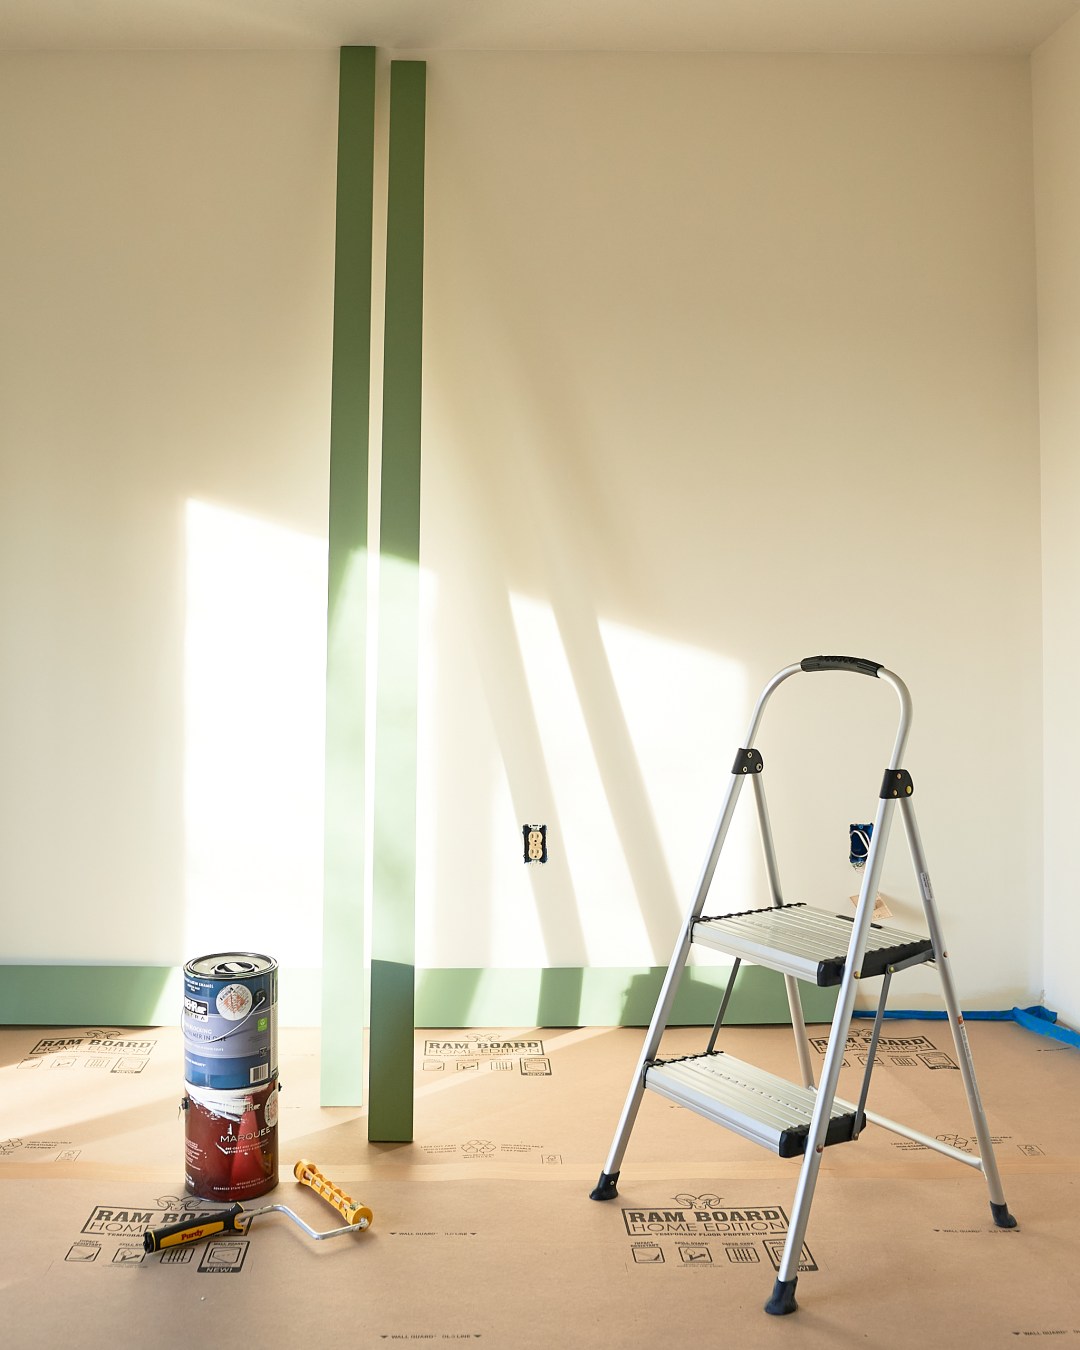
point(230, 1146)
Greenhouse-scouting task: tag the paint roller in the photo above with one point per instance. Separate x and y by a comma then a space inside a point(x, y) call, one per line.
point(237, 1219)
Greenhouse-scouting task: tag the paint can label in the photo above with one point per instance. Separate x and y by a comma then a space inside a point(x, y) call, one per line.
point(230, 1020)
point(230, 1143)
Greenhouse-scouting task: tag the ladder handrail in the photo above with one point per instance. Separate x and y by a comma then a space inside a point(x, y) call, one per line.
point(852, 664)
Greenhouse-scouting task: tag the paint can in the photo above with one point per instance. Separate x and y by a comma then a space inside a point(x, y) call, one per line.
point(230, 1021)
point(230, 1142)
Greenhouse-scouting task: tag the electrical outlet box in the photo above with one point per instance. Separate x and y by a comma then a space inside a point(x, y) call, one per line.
point(535, 843)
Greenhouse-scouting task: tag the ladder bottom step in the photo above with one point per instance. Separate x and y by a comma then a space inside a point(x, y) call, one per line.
point(760, 1106)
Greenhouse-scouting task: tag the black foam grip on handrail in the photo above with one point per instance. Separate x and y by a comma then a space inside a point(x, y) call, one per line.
point(857, 664)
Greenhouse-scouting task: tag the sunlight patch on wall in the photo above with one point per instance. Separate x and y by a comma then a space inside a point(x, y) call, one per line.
point(680, 718)
point(254, 680)
point(687, 710)
point(583, 829)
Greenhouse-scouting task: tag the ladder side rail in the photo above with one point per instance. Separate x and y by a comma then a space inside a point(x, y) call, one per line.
point(904, 726)
point(767, 693)
point(768, 848)
point(606, 1187)
point(787, 1276)
point(956, 1021)
point(728, 809)
point(791, 985)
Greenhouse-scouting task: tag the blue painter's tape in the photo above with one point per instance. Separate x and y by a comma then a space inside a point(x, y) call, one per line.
point(1043, 1023)
point(1036, 1018)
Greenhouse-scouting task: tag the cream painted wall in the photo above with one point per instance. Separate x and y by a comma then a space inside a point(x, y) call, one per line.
point(728, 361)
point(167, 270)
point(1056, 90)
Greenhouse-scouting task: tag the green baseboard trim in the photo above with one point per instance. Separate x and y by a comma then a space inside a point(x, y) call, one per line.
point(576, 996)
point(128, 996)
point(113, 996)
point(149, 996)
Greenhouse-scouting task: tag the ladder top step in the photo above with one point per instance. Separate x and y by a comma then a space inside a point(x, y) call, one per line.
point(810, 943)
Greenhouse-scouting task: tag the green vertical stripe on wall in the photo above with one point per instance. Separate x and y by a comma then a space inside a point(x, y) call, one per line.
point(390, 1087)
point(342, 1076)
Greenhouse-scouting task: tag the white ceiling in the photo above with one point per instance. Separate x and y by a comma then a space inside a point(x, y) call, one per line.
point(922, 26)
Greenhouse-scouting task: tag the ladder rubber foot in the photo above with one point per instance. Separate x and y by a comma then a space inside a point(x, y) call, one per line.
point(783, 1298)
point(606, 1188)
point(1001, 1214)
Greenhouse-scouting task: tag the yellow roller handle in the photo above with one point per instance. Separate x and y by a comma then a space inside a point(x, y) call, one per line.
point(309, 1175)
point(194, 1228)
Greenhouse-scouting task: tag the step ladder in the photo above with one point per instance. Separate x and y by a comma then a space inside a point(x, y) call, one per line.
point(804, 944)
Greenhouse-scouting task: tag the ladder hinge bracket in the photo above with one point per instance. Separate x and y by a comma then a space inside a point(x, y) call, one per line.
point(747, 761)
point(896, 783)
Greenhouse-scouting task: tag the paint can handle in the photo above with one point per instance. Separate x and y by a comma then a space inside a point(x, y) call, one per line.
point(309, 1175)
